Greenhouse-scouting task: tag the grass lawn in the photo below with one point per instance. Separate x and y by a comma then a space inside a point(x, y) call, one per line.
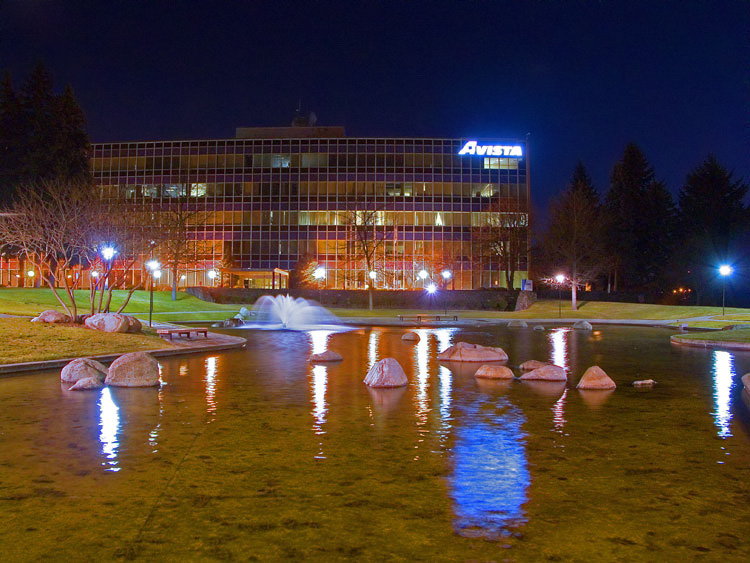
point(15, 301)
point(548, 309)
point(742, 335)
point(24, 341)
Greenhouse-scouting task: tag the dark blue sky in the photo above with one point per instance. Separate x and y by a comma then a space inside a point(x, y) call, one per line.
point(584, 78)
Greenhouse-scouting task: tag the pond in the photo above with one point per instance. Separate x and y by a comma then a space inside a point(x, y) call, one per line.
point(256, 454)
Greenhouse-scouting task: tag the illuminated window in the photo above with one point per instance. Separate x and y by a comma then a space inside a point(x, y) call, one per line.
point(493, 163)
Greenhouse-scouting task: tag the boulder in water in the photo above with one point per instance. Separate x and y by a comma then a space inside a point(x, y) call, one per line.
point(644, 383)
point(595, 378)
point(386, 373)
point(546, 373)
point(539, 327)
point(582, 325)
point(82, 368)
point(87, 383)
point(410, 336)
point(746, 382)
point(517, 324)
point(494, 372)
point(529, 365)
point(327, 356)
point(465, 352)
point(136, 369)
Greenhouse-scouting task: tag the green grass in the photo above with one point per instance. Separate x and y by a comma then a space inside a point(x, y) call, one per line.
point(742, 335)
point(24, 341)
point(548, 309)
point(14, 301)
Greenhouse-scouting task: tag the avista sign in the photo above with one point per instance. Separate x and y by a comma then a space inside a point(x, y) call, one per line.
point(472, 147)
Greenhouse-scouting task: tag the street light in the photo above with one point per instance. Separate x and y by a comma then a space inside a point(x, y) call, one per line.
point(320, 274)
point(559, 278)
point(431, 289)
point(725, 270)
point(153, 266)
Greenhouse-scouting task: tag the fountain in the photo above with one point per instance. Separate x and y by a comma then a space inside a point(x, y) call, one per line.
point(284, 312)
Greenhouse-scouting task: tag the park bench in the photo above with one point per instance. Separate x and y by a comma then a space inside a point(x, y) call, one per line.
point(186, 332)
point(429, 317)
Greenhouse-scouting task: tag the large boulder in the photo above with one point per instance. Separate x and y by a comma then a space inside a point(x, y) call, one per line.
point(87, 383)
point(517, 324)
point(327, 356)
point(108, 322)
point(494, 372)
point(134, 325)
point(464, 352)
point(582, 325)
point(746, 382)
point(82, 368)
point(410, 336)
point(546, 373)
point(595, 378)
point(137, 369)
point(51, 316)
point(386, 373)
point(529, 365)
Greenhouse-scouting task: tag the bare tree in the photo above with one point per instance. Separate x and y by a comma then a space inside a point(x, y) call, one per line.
point(502, 238)
point(367, 233)
point(54, 227)
point(176, 242)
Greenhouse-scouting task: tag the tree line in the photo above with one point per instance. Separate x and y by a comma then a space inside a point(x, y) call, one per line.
point(637, 237)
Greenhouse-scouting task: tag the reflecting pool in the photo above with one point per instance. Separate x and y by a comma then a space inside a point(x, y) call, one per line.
point(257, 453)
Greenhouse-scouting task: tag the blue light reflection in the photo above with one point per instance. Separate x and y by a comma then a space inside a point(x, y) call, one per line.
point(109, 424)
point(491, 473)
point(723, 372)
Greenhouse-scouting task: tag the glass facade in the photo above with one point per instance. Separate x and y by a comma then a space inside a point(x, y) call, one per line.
point(391, 206)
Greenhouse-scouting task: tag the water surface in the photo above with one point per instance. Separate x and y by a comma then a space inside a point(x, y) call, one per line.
point(258, 454)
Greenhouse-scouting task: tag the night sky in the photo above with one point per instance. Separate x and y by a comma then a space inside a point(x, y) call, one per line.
point(583, 78)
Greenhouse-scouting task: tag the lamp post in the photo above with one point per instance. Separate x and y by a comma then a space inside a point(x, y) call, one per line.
point(725, 270)
point(153, 266)
point(320, 275)
point(559, 278)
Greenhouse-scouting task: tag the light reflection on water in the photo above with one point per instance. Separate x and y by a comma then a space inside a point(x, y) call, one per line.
point(210, 380)
point(559, 353)
point(372, 347)
point(491, 474)
point(723, 372)
point(558, 410)
point(109, 424)
point(422, 353)
point(319, 384)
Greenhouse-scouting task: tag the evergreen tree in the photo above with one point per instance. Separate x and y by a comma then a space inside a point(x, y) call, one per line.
point(712, 219)
point(573, 242)
point(640, 216)
point(10, 134)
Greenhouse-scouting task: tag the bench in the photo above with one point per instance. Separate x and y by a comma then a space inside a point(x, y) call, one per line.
point(186, 332)
point(419, 318)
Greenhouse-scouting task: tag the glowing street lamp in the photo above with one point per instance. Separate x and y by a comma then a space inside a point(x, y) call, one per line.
point(108, 252)
point(560, 279)
point(431, 289)
point(153, 266)
point(725, 270)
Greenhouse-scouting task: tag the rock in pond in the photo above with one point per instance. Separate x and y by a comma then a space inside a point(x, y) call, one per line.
point(517, 324)
point(746, 382)
point(411, 336)
point(539, 327)
point(51, 316)
point(87, 383)
point(644, 383)
point(82, 368)
point(108, 322)
point(546, 373)
point(595, 378)
point(386, 373)
point(327, 356)
point(464, 352)
point(136, 369)
point(529, 365)
point(494, 372)
point(582, 325)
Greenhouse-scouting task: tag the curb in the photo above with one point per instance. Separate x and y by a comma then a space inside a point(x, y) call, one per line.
point(701, 343)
